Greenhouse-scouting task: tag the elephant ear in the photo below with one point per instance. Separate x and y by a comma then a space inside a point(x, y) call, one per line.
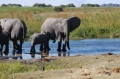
point(73, 23)
point(2, 23)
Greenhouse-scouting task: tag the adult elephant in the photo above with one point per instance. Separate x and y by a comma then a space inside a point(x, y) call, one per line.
point(60, 28)
point(16, 30)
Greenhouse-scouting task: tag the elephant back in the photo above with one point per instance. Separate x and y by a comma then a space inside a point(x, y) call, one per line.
point(74, 22)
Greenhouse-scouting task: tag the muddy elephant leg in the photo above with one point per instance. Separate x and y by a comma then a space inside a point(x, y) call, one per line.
point(20, 47)
point(32, 50)
point(1, 49)
point(59, 42)
point(41, 47)
point(15, 45)
point(64, 47)
point(14, 48)
point(7, 48)
point(47, 47)
point(64, 44)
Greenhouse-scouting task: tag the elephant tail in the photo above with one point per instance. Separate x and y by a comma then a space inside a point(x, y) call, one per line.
point(24, 29)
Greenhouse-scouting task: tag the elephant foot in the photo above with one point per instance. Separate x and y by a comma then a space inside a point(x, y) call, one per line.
point(15, 49)
point(6, 51)
point(64, 50)
point(32, 51)
point(41, 49)
point(1, 50)
point(48, 49)
point(59, 50)
point(20, 50)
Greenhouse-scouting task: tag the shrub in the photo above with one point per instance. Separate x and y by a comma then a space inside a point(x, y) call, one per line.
point(58, 9)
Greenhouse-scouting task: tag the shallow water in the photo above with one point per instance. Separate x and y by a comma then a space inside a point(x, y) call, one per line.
point(78, 47)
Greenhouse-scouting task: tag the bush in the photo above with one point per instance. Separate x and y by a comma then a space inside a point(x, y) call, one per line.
point(58, 9)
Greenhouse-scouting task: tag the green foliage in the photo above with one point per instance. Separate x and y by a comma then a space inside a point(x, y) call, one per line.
point(90, 5)
point(58, 9)
point(68, 5)
point(41, 5)
point(11, 5)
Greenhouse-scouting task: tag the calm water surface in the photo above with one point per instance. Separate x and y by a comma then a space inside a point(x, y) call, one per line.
point(82, 47)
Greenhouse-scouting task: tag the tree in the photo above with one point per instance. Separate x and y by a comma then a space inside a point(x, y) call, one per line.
point(41, 5)
point(49, 5)
point(70, 5)
point(90, 5)
point(11, 5)
point(3, 5)
point(62, 5)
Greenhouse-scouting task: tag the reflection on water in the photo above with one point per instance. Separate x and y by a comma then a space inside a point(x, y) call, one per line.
point(78, 47)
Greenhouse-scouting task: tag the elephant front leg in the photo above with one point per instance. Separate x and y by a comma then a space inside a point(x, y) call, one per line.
point(59, 42)
point(47, 47)
point(20, 46)
point(15, 45)
point(64, 47)
point(32, 50)
point(1, 49)
point(59, 46)
point(41, 47)
point(7, 48)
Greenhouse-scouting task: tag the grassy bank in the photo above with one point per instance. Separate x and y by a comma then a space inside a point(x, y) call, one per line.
point(96, 22)
point(11, 67)
point(83, 67)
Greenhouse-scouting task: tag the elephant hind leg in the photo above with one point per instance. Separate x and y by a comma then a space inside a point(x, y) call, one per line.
point(64, 48)
point(15, 45)
point(59, 47)
point(7, 48)
point(20, 47)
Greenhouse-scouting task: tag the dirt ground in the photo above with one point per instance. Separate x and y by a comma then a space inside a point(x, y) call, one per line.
point(105, 66)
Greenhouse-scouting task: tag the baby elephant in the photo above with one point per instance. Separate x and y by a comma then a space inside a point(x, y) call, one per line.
point(4, 40)
point(40, 38)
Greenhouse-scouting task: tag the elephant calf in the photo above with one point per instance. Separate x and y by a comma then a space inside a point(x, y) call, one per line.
point(4, 40)
point(40, 38)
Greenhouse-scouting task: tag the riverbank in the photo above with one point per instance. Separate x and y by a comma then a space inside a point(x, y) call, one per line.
point(105, 66)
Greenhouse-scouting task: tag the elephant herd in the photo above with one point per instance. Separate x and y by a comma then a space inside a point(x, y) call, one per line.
point(52, 28)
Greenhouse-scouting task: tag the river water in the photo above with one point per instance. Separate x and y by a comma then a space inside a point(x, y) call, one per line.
point(78, 47)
